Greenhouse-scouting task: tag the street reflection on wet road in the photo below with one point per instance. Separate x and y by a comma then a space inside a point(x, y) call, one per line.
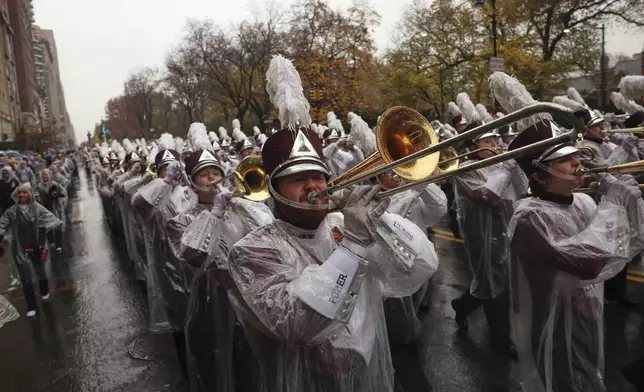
point(80, 339)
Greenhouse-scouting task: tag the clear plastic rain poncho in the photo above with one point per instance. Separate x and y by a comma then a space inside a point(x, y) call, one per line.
point(211, 332)
point(313, 313)
point(135, 224)
point(607, 153)
point(176, 275)
point(424, 207)
point(52, 196)
point(561, 254)
point(25, 174)
point(7, 186)
point(156, 203)
point(340, 160)
point(485, 200)
point(18, 221)
point(8, 312)
point(58, 177)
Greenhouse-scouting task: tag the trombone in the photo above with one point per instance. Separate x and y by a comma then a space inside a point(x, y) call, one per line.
point(593, 190)
point(407, 144)
point(626, 130)
point(450, 160)
point(624, 168)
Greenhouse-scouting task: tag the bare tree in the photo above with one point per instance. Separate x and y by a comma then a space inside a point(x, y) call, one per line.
point(139, 90)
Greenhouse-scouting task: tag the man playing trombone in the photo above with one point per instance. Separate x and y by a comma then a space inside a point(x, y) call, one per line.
point(309, 287)
point(563, 247)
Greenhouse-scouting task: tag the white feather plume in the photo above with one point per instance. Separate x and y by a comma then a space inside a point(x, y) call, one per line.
point(152, 154)
point(213, 137)
point(120, 152)
point(485, 115)
point(178, 145)
point(632, 86)
point(567, 102)
point(575, 96)
point(166, 142)
point(498, 115)
point(453, 109)
point(314, 128)
point(223, 134)
point(127, 145)
point(624, 104)
point(284, 88)
point(236, 124)
point(362, 136)
point(114, 145)
point(256, 131)
point(449, 128)
point(321, 130)
point(196, 127)
point(199, 137)
point(513, 95)
point(104, 150)
point(144, 147)
point(470, 114)
point(262, 139)
point(154, 145)
point(238, 135)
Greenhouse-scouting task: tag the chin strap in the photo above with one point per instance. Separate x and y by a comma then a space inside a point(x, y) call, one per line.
point(295, 204)
point(555, 173)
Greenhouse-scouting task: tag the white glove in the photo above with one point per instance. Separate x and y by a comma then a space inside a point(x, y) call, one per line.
point(623, 191)
point(221, 201)
point(361, 212)
point(173, 173)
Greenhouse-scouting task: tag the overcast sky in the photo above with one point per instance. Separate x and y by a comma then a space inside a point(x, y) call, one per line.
point(100, 41)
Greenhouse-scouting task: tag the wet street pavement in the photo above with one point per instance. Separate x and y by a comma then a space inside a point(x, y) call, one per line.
point(92, 335)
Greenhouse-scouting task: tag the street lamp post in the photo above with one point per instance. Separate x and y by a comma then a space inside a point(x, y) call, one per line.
point(481, 4)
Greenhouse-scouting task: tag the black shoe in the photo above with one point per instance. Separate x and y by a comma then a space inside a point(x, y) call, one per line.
point(461, 318)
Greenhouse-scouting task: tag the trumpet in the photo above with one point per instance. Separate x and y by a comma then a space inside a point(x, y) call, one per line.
point(408, 145)
point(626, 130)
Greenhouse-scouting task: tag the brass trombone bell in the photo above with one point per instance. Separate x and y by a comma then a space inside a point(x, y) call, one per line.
point(401, 131)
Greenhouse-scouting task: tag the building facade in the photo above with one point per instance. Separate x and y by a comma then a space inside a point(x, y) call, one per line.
point(21, 18)
point(9, 99)
point(52, 112)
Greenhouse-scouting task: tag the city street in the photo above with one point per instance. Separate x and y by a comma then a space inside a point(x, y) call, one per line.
point(92, 335)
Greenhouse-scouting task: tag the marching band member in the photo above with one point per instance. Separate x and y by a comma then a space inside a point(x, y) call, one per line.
point(309, 286)
point(563, 247)
point(485, 200)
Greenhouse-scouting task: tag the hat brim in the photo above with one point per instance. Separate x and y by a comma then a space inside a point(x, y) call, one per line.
point(557, 152)
point(299, 166)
